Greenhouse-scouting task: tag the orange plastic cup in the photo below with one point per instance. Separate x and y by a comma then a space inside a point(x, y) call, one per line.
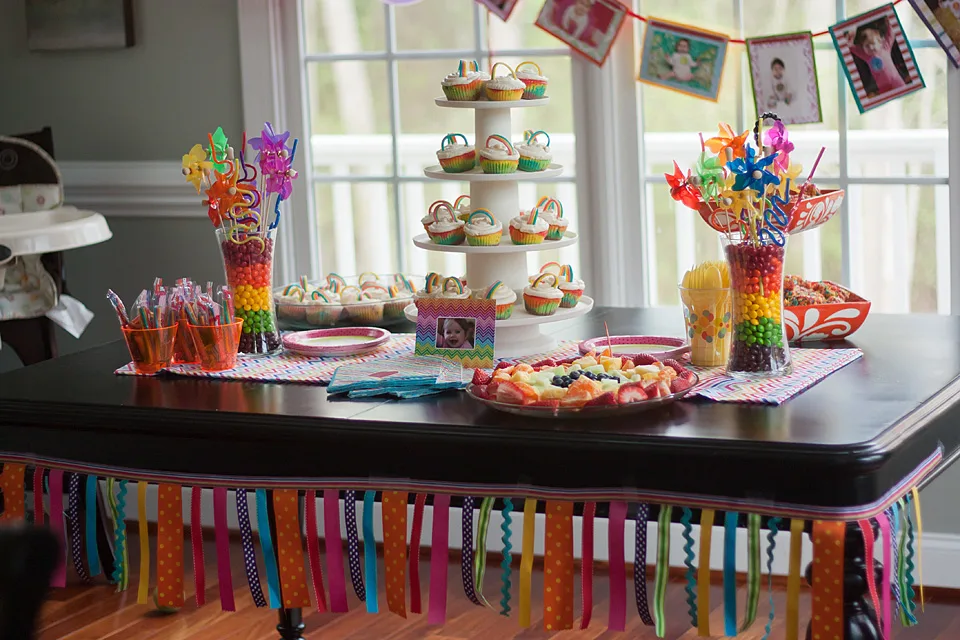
point(150, 349)
point(185, 351)
point(217, 344)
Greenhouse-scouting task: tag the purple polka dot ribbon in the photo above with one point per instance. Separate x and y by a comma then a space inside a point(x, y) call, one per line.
point(466, 557)
point(249, 557)
point(73, 527)
point(353, 543)
point(639, 562)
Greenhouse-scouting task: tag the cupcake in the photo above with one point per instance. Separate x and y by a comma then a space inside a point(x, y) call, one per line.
point(528, 228)
point(361, 306)
point(552, 212)
point(571, 287)
point(482, 229)
point(429, 219)
point(323, 309)
point(454, 289)
point(446, 229)
point(404, 284)
point(534, 156)
point(455, 157)
point(335, 283)
point(398, 300)
point(550, 267)
point(367, 277)
point(290, 303)
point(464, 84)
point(461, 207)
point(499, 156)
point(506, 87)
point(431, 287)
point(542, 297)
point(535, 84)
point(504, 296)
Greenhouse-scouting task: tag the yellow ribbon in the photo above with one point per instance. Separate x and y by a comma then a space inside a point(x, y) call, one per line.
point(703, 574)
point(526, 560)
point(916, 509)
point(793, 580)
point(144, 590)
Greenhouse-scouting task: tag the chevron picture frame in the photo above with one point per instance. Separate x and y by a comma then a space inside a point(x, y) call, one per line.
point(460, 330)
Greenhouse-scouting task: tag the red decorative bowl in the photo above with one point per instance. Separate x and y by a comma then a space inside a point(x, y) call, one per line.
point(832, 321)
point(812, 212)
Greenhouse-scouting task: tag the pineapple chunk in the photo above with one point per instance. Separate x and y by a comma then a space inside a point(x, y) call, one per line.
point(520, 376)
point(628, 364)
point(609, 385)
point(647, 369)
point(551, 392)
point(610, 364)
point(586, 361)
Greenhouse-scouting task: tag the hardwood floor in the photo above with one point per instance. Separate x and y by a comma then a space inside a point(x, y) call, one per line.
point(82, 612)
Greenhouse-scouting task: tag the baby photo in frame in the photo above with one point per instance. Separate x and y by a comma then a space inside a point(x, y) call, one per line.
point(588, 26)
point(942, 17)
point(460, 330)
point(876, 57)
point(500, 8)
point(783, 73)
point(683, 59)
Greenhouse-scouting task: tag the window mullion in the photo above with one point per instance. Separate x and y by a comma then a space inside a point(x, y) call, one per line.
point(394, 108)
point(847, 249)
point(953, 129)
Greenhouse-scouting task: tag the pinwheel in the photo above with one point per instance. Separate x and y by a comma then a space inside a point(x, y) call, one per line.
point(272, 152)
point(223, 197)
point(789, 176)
point(776, 137)
point(752, 173)
point(196, 166)
point(708, 176)
point(218, 149)
point(728, 140)
point(281, 182)
point(680, 188)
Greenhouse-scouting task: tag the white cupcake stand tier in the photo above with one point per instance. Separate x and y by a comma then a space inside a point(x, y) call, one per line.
point(520, 334)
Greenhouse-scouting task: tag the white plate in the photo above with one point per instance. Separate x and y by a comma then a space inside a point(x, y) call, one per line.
point(335, 343)
point(506, 245)
point(477, 175)
point(491, 104)
point(520, 318)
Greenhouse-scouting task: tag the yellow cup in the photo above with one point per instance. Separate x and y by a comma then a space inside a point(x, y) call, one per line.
point(706, 314)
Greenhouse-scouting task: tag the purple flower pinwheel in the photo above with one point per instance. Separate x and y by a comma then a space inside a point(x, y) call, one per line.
point(776, 138)
point(271, 149)
point(281, 182)
point(752, 173)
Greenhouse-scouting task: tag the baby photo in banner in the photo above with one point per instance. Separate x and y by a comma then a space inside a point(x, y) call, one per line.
point(462, 330)
point(589, 26)
point(942, 17)
point(682, 58)
point(876, 57)
point(500, 8)
point(783, 73)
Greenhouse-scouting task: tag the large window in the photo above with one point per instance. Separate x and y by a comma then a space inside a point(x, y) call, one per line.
point(371, 72)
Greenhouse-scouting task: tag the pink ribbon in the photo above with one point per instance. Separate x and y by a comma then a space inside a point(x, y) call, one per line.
point(196, 540)
point(868, 540)
point(38, 496)
point(885, 596)
point(618, 571)
point(586, 563)
point(223, 548)
point(313, 551)
point(439, 558)
point(333, 544)
point(415, 605)
point(59, 578)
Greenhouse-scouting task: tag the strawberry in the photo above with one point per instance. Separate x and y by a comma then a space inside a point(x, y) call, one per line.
point(603, 400)
point(676, 366)
point(553, 404)
point(549, 362)
point(649, 387)
point(492, 388)
point(663, 389)
point(481, 377)
point(482, 392)
point(509, 393)
point(503, 364)
point(644, 358)
point(678, 385)
point(631, 392)
point(569, 360)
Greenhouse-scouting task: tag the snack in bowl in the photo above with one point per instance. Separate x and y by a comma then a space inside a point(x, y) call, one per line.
point(820, 310)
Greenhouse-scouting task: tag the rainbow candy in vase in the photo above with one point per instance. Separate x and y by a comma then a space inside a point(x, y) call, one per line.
point(239, 195)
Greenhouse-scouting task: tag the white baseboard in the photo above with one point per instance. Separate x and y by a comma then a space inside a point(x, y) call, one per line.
point(130, 189)
point(941, 552)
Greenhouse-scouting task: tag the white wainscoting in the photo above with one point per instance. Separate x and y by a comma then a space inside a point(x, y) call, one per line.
point(130, 189)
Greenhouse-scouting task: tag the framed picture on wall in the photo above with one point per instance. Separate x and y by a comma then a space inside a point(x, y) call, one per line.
point(57, 25)
point(500, 8)
point(942, 17)
point(683, 59)
point(783, 72)
point(588, 26)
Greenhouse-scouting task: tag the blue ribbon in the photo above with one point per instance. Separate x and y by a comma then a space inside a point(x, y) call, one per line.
point(910, 594)
point(266, 547)
point(93, 557)
point(773, 523)
point(120, 575)
point(690, 574)
point(730, 573)
point(370, 551)
point(507, 557)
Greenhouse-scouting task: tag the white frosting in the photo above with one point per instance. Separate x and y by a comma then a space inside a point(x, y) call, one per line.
point(445, 225)
point(334, 299)
point(455, 79)
point(529, 74)
point(377, 293)
point(576, 285)
point(454, 295)
point(498, 153)
point(504, 83)
point(522, 222)
point(480, 226)
point(427, 219)
point(543, 290)
point(554, 219)
point(484, 76)
point(463, 210)
point(454, 150)
point(503, 295)
point(534, 150)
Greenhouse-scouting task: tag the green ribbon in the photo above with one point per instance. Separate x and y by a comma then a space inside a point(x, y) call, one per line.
point(480, 556)
point(753, 569)
point(663, 569)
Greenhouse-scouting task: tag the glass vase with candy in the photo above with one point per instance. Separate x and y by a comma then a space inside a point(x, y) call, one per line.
point(243, 202)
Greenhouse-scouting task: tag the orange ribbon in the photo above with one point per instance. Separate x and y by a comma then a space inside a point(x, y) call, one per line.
point(11, 485)
point(169, 546)
point(293, 578)
point(394, 516)
point(827, 596)
point(558, 567)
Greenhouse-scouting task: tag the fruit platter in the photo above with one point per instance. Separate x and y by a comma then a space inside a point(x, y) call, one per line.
point(591, 384)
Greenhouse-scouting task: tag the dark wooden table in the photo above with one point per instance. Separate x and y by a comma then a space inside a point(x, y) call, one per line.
point(848, 442)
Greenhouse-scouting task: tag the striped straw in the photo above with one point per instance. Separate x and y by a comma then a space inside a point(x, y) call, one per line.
point(456, 281)
point(493, 289)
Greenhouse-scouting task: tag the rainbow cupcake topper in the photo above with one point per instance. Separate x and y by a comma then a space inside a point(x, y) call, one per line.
point(292, 289)
point(442, 204)
point(543, 277)
point(351, 292)
point(534, 217)
point(483, 213)
point(530, 137)
point(394, 291)
point(335, 282)
point(368, 276)
point(567, 272)
point(493, 289)
point(303, 283)
point(452, 139)
point(319, 295)
point(549, 268)
point(456, 203)
point(510, 71)
point(456, 283)
point(432, 283)
point(530, 62)
point(554, 204)
point(506, 143)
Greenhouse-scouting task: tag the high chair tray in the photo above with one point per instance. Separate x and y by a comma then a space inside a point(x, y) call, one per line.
point(54, 230)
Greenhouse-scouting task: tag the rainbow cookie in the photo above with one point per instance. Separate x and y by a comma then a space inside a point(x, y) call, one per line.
point(528, 228)
point(445, 229)
point(542, 297)
point(504, 296)
point(571, 287)
point(534, 156)
point(454, 288)
point(535, 84)
point(461, 207)
point(455, 157)
point(432, 286)
point(482, 229)
point(499, 156)
point(506, 87)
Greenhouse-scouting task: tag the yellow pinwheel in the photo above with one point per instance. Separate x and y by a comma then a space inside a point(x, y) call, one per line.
point(734, 201)
point(791, 174)
point(196, 166)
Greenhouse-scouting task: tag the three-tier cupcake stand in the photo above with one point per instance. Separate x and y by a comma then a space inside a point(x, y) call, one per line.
point(520, 334)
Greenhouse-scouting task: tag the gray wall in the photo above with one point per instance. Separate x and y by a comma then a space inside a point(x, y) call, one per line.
point(150, 102)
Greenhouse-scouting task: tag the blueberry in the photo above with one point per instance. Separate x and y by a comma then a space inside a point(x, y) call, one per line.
point(574, 375)
point(557, 380)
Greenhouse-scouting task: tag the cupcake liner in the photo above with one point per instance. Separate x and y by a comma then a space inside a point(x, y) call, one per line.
point(504, 94)
point(538, 306)
point(454, 236)
point(469, 91)
point(460, 163)
point(393, 309)
point(534, 89)
point(291, 311)
point(532, 164)
point(570, 298)
point(323, 315)
point(365, 313)
point(498, 166)
point(485, 240)
point(555, 232)
point(504, 311)
point(519, 237)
